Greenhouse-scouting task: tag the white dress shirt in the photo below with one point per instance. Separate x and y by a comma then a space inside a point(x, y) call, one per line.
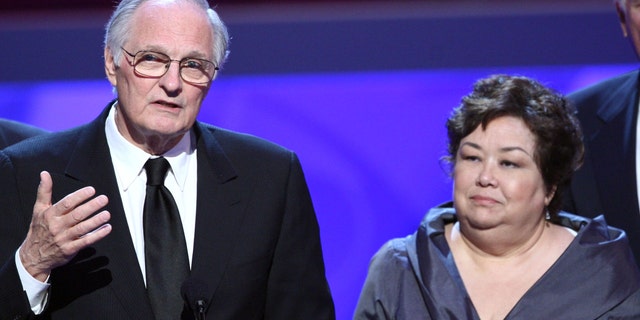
point(128, 163)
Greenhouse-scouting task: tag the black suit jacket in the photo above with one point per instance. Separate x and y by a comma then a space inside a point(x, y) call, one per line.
point(256, 248)
point(13, 131)
point(606, 184)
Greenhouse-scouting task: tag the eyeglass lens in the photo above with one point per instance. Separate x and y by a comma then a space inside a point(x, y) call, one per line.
point(155, 64)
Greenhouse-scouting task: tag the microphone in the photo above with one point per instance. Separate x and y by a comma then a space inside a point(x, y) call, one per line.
point(194, 294)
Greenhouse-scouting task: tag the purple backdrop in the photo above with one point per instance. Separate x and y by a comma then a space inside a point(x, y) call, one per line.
point(370, 143)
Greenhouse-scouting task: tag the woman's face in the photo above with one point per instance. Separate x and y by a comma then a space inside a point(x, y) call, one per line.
point(497, 182)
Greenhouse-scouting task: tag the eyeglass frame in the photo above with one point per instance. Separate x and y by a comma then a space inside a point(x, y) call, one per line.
point(167, 65)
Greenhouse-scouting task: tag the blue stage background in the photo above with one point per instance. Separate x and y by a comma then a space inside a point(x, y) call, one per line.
point(370, 142)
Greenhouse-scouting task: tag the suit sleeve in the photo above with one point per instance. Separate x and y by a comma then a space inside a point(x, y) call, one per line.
point(14, 303)
point(297, 287)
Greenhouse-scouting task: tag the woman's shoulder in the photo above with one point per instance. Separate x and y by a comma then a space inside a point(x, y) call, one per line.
point(394, 253)
point(591, 231)
point(391, 287)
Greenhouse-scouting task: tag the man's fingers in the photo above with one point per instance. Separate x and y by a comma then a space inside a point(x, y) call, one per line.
point(90, 225)
point(45, 189)
point(68, 203)
point(74, 200)
point(78, 222)
point(85, 210)
point(91, 230)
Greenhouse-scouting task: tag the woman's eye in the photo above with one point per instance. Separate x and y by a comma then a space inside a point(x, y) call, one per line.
point(470, 158)
point(509, 164)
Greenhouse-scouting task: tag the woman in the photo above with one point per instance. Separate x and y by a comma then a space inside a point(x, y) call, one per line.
point(502, 249)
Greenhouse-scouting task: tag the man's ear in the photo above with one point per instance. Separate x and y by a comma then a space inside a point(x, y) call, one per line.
point(110, 66)
point(622, 17)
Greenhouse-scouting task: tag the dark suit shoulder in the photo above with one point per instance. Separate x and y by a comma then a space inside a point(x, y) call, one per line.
point(12, 132)
point(602, 102)
point(237, 142)
point(605, 87)
point(235, 154)
point(42, 146)
point(607, 97)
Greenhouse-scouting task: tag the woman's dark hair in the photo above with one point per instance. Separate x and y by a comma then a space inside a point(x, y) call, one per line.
point(552, 120)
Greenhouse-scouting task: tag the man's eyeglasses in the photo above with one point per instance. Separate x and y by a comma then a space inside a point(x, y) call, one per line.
point(155, 64)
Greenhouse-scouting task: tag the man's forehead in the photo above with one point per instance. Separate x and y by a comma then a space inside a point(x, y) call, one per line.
point(161, 26)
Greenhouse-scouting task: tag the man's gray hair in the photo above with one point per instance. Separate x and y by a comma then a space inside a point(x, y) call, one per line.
point(119, 25)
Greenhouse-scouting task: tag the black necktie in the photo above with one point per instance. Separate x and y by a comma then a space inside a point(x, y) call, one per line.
point(166, 257)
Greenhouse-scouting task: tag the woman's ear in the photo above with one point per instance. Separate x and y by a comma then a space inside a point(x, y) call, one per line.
point(550, 194)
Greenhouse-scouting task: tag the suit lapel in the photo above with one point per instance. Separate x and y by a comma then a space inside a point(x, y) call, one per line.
point(219, 211)
point(90, 164)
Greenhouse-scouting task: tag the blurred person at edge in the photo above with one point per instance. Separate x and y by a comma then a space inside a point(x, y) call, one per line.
point(251, 237)
point(13, 132)
point(608, 183)
point(502, 249)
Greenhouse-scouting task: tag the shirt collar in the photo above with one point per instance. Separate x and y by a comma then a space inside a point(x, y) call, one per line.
point(129, 160)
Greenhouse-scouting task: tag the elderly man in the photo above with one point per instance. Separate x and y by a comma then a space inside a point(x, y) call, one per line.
point(147, 213)
point(608, 182)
